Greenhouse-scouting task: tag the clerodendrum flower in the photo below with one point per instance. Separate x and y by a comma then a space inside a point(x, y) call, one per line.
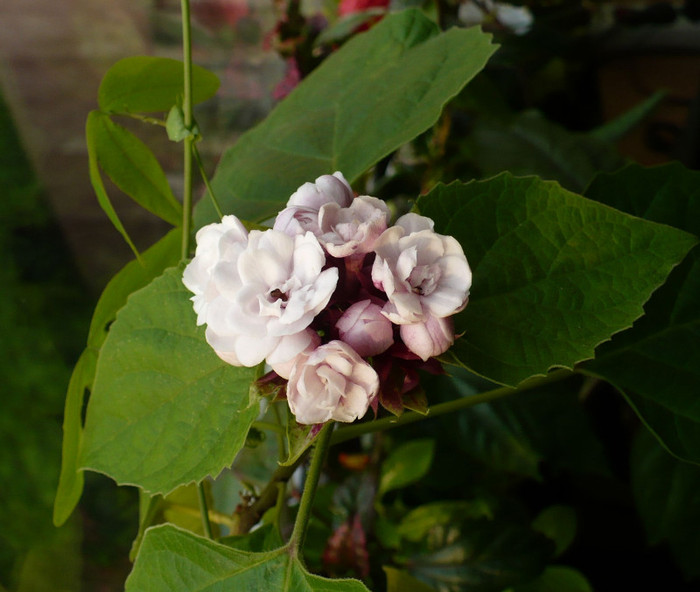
point(258, 293)
point(275, 296)
point(301, 213)
point(333, 382)
point(424, 274)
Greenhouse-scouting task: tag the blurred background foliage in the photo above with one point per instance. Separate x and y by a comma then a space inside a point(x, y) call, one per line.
point(588, 86)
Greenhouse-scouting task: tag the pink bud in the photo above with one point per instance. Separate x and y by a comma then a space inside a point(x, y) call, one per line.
point(430, 338)
point(364, 328)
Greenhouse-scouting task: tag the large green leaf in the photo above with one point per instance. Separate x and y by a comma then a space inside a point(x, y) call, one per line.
point(656, 364)
point(164, 410)
point(529, 144)
point(132, 167)
point(380, 90)
point(555, 274)
point(145, 84)
point(543, 427)
point(666, 495)
point(556, 578)
point(173, 560)
point(133, 276)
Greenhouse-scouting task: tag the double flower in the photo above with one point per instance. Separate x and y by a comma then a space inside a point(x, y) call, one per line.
point(331, 297)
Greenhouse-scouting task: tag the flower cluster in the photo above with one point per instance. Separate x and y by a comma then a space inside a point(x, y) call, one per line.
point(342, 306)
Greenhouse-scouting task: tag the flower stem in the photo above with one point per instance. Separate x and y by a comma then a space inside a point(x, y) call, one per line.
point(296, 541)
point(203, 510)
point(358, 429)
point(189, 140)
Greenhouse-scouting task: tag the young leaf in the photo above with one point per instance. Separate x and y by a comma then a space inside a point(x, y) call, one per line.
point(164, 410)
point(380, 90)
point(555, 274)
point(616, 129)
point(173, 560)
point(133, 168)
point(405, 465)
point(144, 84)
point(656, 364)
point(70, 484)
point(91, 137)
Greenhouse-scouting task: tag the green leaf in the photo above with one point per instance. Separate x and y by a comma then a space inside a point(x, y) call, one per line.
point(418, 523)
point(143, 84)
point(557, 523)
point(377, 92)
point(70, 484)
point(666, 495)
point(656, 364)
point(557, 578)
point(131, 165)
point(406, 464)
point(133, 276)
point(91, 134)
point(616, 129)
point(529, 144)
point(517, 434)
point(555, 274)
point(401, 581)
point(479, 556)
point(164, 410)
point(173, 560)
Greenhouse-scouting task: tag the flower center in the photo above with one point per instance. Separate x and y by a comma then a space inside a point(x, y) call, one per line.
point(424, 279)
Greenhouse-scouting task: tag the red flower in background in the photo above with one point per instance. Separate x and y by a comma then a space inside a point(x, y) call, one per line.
point(352, 6)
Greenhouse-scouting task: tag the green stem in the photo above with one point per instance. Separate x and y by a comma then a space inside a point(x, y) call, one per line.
point(189, 140)
point(358, 429)
point(203, 510)
point(203, 173)
point(296, 541)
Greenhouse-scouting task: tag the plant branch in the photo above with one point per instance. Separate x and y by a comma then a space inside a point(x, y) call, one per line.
point(296, 541)
point(189, 140)
point(358, 429)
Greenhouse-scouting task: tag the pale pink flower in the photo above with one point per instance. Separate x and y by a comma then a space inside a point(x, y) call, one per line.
point(333, 382)
point(432, 337)
point(423, 273)
point(301, 213)
point(364, 328)
point(284, 368)
point(261, 295)
point(352, 230)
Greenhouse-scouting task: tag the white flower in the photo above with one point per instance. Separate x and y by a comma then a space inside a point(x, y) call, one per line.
point(364, 328)
point(301, 213)
point(423, 273)
point(259, 295)
point(215, 242)
point(352, 230)
point(333, 382)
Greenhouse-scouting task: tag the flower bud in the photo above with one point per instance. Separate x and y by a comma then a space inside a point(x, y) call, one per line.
point(430, 338)
point(364, 328)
